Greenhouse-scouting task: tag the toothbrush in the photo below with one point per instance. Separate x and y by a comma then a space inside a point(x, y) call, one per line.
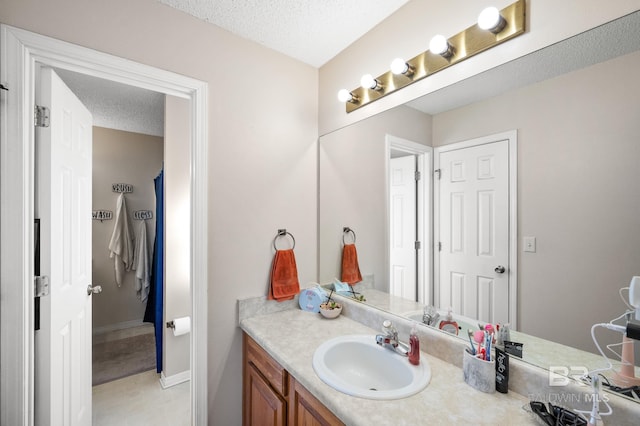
point(473, 349)
point(478, 336)
point(488, 338)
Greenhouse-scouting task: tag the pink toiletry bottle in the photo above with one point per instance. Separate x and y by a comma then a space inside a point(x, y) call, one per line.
point(449, 325)
point(414, 347)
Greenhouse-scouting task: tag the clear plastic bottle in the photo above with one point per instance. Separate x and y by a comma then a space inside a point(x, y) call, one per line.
point(414, 346)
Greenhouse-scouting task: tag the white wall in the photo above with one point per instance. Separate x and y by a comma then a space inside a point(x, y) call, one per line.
point(177, 226)
point(407, 33)
point(120, 157)
point(578, 176)
point(262, 149)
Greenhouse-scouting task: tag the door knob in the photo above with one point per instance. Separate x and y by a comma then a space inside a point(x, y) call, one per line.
point(96, 289)
point(500, 269)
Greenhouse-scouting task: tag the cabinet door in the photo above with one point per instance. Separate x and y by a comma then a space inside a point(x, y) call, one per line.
point(263, 406)
point(306, 410)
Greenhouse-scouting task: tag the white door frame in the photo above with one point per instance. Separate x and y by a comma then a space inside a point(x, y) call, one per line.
point(423, 206)
point(20, 50)
point(512, 137)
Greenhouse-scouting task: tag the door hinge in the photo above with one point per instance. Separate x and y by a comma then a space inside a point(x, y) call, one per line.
point(41, 286)
point(41, 115)
point(418, 175)
point(439, 246)
point(438, 172)
point(418, 245)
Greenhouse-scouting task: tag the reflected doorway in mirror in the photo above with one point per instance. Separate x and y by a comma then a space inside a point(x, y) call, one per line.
point(475, 228)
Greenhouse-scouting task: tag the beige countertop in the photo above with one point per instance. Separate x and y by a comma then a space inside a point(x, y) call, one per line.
point(292, 336)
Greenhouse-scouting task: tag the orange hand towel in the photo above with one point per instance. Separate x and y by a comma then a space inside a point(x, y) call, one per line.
point(350, 268)
point(284, 283)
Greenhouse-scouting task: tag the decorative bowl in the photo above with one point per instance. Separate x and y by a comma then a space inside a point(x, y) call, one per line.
point(330, 312)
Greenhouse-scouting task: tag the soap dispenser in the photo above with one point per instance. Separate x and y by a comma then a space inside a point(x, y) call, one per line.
point(449, 325)
point(414, 346)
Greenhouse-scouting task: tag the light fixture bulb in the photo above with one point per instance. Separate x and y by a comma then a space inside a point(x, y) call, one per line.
point(344, 95)
point(399, 66)
point(491, 20)
point(368, 82)
point(440, 46)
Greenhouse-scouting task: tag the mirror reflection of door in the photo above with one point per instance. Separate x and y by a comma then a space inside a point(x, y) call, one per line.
point(403, 264)
point(473, 231)
point(409, 215)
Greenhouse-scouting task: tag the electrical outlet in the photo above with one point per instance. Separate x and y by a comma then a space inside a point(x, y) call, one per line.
point(530, 244)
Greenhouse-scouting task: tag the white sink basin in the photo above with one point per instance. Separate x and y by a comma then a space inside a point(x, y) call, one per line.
point(357, 366)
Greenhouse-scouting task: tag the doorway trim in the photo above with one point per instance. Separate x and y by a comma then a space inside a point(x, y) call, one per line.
point(424, 156)
point(512, 137)
point(20, 51)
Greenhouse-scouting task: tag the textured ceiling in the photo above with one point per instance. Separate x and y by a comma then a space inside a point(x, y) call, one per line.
point(118, 106)
point(312, 31)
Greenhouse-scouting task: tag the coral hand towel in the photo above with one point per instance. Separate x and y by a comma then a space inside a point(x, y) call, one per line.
point(284, 276)
point(350, 268)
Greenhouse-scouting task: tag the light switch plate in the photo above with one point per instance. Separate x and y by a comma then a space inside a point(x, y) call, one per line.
point(530, 244)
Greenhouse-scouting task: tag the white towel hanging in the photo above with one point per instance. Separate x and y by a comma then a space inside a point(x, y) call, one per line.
point(121, 244)
point(141, 263)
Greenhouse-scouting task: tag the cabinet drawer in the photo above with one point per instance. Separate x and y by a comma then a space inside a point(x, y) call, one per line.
point(267, 366)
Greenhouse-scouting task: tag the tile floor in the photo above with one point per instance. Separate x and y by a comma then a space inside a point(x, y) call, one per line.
point(139, 400)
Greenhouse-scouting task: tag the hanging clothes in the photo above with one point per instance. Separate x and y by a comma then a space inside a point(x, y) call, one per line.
point(121, 243)
point(154, 310)
point(141, 263)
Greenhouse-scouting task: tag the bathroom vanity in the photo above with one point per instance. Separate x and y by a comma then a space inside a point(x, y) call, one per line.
point(282, 387)
point(270, 395)
point(280, 382)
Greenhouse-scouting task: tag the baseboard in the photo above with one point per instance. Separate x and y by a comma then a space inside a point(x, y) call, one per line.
point(118, 326)
point(167, 382)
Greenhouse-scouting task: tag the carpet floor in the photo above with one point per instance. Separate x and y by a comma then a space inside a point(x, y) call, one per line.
point(123, 357)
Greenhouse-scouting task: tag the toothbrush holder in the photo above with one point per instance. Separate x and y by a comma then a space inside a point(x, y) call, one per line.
point(478, 373)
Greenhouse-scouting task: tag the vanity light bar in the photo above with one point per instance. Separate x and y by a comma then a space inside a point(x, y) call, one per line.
point(464, 45)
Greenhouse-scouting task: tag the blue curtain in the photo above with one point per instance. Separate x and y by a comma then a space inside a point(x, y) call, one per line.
point(153, 311)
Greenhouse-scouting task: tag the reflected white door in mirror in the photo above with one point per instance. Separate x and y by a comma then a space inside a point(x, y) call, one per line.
point(475, 219)
point(408, 203)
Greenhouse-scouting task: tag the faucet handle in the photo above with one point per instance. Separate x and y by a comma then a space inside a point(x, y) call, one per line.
point(387, 327)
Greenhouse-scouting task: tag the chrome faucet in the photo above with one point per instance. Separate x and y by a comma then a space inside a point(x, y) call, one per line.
point(390, 340)
point(430, 316)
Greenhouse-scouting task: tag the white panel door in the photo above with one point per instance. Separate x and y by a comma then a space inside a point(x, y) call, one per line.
point(63, 204)
point(402, 199)
point(474, 231)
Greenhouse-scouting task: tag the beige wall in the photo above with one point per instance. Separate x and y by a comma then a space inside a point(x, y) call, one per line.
point(352, 182)
point(120, 157)
point(177, 225)
point(262, 149)
point(408, 31)
point(578, 180)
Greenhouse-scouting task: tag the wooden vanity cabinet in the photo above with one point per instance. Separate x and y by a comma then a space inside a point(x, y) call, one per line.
point(306, 410)
point(272, 397)
point(265, 382)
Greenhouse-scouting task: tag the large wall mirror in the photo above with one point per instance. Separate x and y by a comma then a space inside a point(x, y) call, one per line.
point(575, 108)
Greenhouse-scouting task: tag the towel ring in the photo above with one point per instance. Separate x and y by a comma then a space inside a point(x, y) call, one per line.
point(346, 230)
point(283, 233)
